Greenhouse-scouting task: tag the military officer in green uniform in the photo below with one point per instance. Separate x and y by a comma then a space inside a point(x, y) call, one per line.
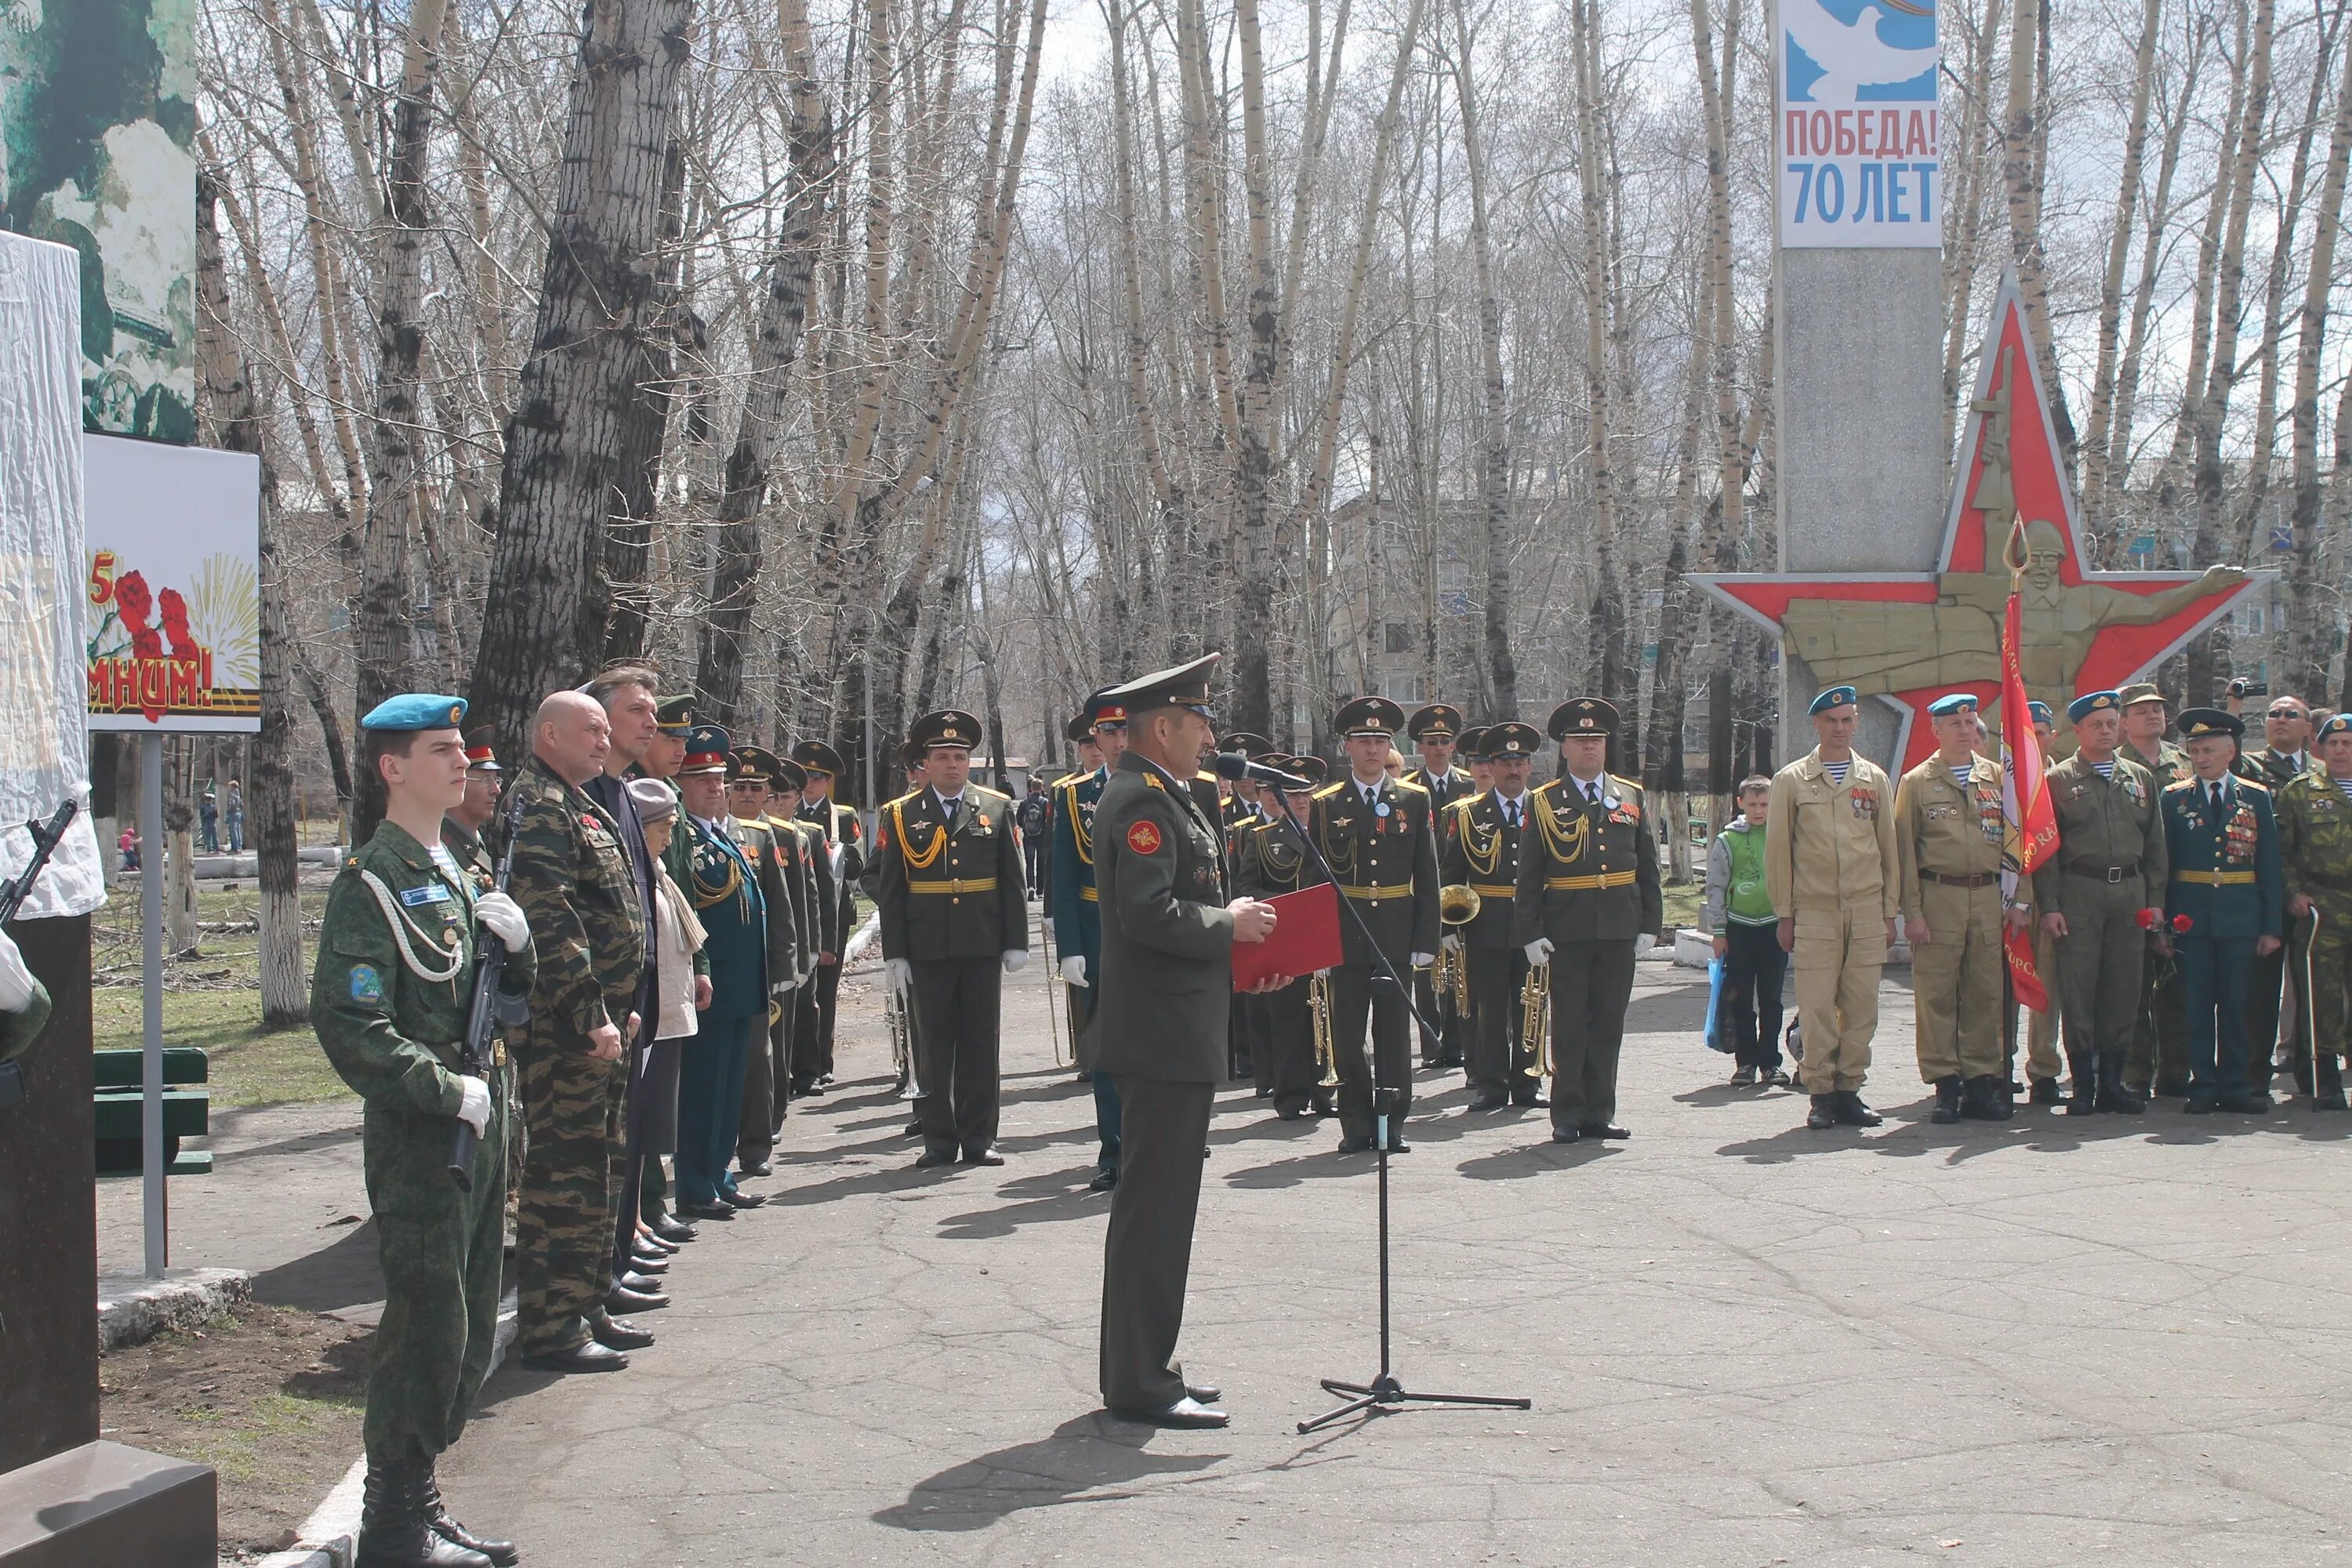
point(2314, 821)
point(2155, 1061)
point(1168, 932)
point(820, 947)
point(1376, 835)
point(2285, 755)
point(2041, 1029)
point(389, 998)
point(1435, 730)
point(1949, 829)
point(664, 754)
point(462, 824)
point(732, 1027)
point(845, 841)
point(1077, 922)
point(783, 882)
point(1269, 858)
point(1479, 841)
point(2097, 896)
point(2223, 906)
point(955, 920)
point(1587, 899)
point(572, 877)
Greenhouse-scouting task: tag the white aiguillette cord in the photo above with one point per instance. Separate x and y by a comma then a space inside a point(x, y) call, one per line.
point(397, 917)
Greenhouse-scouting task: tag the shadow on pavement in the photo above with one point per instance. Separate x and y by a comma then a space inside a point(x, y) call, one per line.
point(1536, 1159)
point(345, 1272)
point(1087, 1460)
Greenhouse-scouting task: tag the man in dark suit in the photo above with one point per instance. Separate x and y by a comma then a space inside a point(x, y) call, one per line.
point(1374, 831)
point(1159, 1026)
point(949, 885)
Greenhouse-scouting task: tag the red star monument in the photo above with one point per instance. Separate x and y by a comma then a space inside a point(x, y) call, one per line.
point(1908, 638)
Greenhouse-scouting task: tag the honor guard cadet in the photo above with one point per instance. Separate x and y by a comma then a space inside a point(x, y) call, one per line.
point(1077, 920)
point(1478, 854)
point(1435, 730)
point(462, 824)
point(724, 887)
point(844, 838)
point(1160, 1025)
point(819, 946)
point(2155, 1059)
point(954, 921)
point(2314, 821)
point(1836, 879)
point(2222, 908)
point(1269, 858)
point(1948, 827)
point(776, 861)
point(389, 997)
point(1375, 833)
point(2097, 898)
point(1587, 898)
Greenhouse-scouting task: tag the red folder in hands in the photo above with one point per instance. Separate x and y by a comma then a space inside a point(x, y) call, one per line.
point(1306, 938)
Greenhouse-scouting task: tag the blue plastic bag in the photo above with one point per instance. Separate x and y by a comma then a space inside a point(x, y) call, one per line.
point(1718, 1029)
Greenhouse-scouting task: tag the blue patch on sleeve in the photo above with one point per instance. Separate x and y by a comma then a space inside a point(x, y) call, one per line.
point(430, 893)
point(367, 985)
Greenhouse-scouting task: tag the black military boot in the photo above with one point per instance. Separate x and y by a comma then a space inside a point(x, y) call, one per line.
point(2113, 1095)
point(1947, 1100)
point(1848, 1107)
point(2082, 1069)
point(437, 1517)
point(2045, 1092)
point(2330, 1096)
point(393, 1530)
point(1823, 1115)
point(1987, 1098)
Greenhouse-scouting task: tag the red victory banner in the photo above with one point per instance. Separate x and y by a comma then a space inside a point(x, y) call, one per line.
point(2030, 824)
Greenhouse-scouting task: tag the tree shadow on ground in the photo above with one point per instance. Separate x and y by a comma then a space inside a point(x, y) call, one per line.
point(345, 1272)
point(1536, 1159)
point(1090, 1458)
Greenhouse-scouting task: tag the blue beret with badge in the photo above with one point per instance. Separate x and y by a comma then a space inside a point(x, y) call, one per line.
point(2039, 711)
point(2092, 702)
point(416, 710)
point(1835, 696)
point(2339, 725)
point(1952, 702)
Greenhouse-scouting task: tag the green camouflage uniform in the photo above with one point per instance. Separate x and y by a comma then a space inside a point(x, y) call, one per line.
point(2315, 819)
point(572, 876)
point(389, 1003)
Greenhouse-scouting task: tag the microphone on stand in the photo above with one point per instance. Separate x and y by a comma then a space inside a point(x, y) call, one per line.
point(1234, 765)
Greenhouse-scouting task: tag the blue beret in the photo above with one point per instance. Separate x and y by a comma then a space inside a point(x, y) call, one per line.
point(1952, 702)
point(2039, 711)
point(2339, 725)
point(2092, 702)
point(416, 710)
point(1835, 696)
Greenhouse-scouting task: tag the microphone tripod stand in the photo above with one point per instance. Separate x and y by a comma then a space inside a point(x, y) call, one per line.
point(1384, 1395)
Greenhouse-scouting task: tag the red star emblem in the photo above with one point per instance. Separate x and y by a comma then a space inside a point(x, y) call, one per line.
point(1909, 638)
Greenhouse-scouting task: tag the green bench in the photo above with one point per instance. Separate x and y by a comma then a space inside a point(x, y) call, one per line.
point(116, 1079)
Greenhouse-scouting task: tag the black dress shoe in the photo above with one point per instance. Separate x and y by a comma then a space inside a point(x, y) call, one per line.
point(1204, 1393)
point(649, 1242)
point(711, 1210)
point(1397, 1145)
point(1355, 1145)
point(931, 1157)
point(1325, 1108)
point(1603, 1129)
point(676, 1232)
point(758, 1168)
point(585, 1356)
point(2201, 1104)
point(1104, 1181)
point(620, 1334)
point(1489, 1102)
point(1186, 1414)
point(620, 1300)
point(1566, 1135)
point(1823, 1114)
point(648, 1263)
point(983, 1157)
point(642, 1284)
point(1290, 1113)
point(499, 1554)
point(2249, 1104)
point(743, 1200)
point(914, 1129)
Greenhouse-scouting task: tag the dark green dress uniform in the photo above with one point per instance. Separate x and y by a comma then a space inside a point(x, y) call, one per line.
point(1380, 844)
point(1440, 1047)
point(1269, 858)
point(389, 996)
point(949, 885)
point(712, 1069)
point(1588, 884)
point(821, 891)
point(1160, 1025)
point(572, 877)
point(2155, 1060)
point(1479, 843)
point(2274, 972)
point(1077, 934)
point(2110, 864)
point(2314, 821)
point(845, 833)
point(2224, 893)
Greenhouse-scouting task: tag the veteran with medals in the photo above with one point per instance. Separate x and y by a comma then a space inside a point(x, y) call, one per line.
point(2223, 908)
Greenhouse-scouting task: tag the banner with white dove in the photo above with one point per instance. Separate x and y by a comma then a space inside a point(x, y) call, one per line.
point(1857, 133)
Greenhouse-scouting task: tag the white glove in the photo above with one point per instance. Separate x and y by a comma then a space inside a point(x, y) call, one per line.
point(503, 918)
point(1539, 950)
point(1424, 959)
point(1015, 958)
point(899, 973)
point(1074, 969)
point(1449, 942)
point(474, 1110)
point(16, 980)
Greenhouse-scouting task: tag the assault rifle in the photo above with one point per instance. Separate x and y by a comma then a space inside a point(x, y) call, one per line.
point(490, 1008)
point(46, 836)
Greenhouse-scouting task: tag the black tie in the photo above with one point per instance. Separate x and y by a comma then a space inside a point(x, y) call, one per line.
point(2215, 788)
point(1592, 792)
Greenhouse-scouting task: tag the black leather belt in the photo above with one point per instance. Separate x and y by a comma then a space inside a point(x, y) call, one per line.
point(2103, 873)
point(1972, 880)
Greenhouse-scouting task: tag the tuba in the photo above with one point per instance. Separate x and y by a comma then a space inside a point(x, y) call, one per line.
point(1318, 1003)
point(1535, 1019)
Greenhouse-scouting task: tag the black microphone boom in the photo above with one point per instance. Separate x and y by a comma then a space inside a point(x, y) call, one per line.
point(1234, 765)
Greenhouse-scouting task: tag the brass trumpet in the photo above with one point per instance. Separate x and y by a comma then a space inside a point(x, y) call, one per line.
point(1458, 903)
point(1319, 1002)
point(902, 1054)
point(1535, 1019)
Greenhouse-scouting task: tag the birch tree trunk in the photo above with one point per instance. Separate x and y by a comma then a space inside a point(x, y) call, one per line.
point(1495, 419)
point(1608, 612)
point(543, 626)
point(2308, 618)
point(2021, 168)
point(2100, 525)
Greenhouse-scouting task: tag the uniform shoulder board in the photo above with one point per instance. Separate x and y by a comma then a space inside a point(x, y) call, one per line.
point(2256, 784)
point(991, 793)
point(1329, 790)
point(1550, 788)
point(901, 801)
point(1626, 788)
point(1206, 776)
point(1411, 787)
point(2177, 785)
